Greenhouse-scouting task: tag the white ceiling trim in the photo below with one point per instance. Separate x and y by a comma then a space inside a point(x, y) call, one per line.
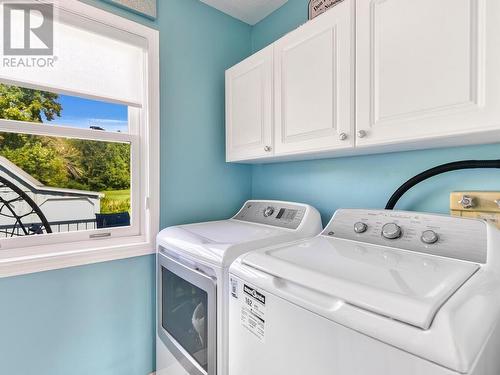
point(249, 11)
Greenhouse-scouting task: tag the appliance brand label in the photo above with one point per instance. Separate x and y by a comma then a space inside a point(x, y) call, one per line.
point(254, 293)
point(253, 312)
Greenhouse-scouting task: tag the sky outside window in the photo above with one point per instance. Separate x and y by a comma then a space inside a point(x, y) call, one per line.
point(84, 113)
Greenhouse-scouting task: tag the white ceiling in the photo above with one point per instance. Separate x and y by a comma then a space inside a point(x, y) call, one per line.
point(249, 11)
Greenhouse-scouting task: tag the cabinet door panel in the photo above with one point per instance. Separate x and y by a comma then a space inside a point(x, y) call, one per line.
point(426, 69)
point(313, 84)
point(249, 107)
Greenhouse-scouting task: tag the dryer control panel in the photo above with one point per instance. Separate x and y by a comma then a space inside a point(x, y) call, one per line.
point(278, 214)
point(441, 235)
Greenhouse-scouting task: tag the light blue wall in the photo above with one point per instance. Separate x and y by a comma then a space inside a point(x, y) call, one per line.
point(288, 17)
point(198, 45)
point(95, 319)
point(364, 181)
point(99, 319)
point(368, 181)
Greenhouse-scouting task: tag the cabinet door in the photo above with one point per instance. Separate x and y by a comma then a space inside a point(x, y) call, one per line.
point(249, 89)
point(427, 71)
point(314, 78)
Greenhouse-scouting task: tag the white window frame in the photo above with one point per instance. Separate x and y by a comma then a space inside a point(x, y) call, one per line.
point(28, 254)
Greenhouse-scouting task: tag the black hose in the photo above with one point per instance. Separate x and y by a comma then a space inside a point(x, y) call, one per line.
point(464, 164)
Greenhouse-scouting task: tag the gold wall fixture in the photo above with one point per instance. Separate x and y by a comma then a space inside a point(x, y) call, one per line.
point(476, 204)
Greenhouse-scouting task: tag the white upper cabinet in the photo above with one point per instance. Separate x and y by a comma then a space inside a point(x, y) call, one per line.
point(428, 72)
point(370, 76)
point(314, 83)
point(249, 112)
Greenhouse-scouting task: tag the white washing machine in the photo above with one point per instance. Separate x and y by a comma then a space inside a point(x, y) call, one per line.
point(377, 293)
point(192, 280)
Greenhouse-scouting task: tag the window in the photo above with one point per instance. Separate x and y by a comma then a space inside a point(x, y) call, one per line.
point(77, 184)
point(79, 143)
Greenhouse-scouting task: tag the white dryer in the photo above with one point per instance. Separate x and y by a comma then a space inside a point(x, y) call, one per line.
point(192, 280)
point(377, 293)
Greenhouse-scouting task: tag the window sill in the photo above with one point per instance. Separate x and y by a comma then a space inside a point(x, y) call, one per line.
point(43, 258)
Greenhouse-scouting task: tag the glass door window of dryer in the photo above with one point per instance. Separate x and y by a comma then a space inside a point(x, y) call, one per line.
point(185, 315)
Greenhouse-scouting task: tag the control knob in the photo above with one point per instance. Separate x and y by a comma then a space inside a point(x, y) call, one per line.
point(429, 237)
point(268, 211)
point(360, 227)
point(391, 231)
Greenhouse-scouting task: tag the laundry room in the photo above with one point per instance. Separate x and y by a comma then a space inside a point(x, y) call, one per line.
point(241, 187)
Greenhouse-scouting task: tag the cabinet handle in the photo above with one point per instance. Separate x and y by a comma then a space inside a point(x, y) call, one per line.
point(342, 136)
point(267, 148)
point(361, 133)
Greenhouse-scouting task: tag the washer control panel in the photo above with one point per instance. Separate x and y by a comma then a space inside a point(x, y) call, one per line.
point(441, 235)
point(278, 214)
